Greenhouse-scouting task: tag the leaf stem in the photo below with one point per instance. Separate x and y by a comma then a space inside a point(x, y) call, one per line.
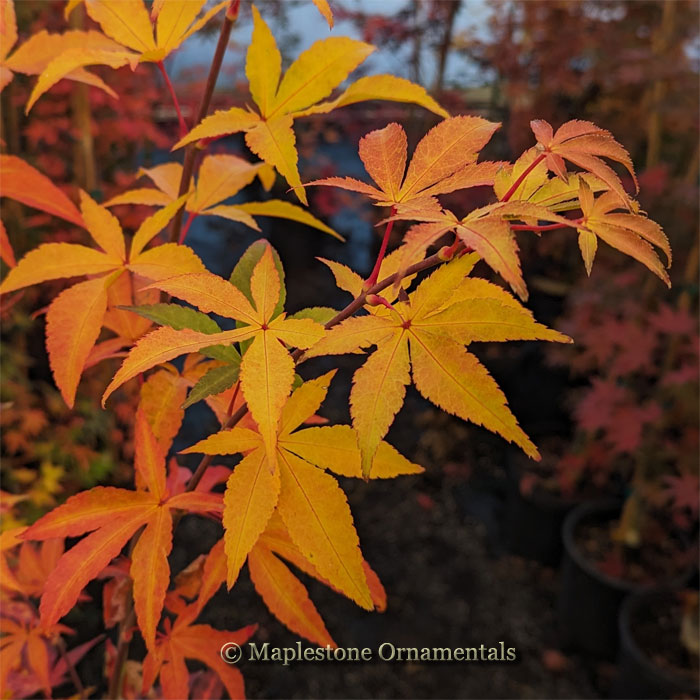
point(75, 678)
point(191, 149)
point(372, 279)
point(183, 234)
point(173, 94)
point(115, 681)
point(298, 355)
point(522, 176)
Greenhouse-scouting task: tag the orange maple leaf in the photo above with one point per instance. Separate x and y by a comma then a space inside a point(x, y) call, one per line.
point(219, 177)
point(113, 515)
point(583, 143)
point(183, 640)
point(444, 161)
point(283, 593)
point(34, 55)
point(76, 316)
point(267, 368)
point(629, 233)
point(283, 98)
point(424, 337)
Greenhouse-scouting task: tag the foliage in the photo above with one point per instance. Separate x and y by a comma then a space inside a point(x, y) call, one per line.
point(280, 505)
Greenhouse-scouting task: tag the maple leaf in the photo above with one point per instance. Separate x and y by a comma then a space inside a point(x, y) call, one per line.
point(683, 492)
point(443, 161)
point(629, 233)
point(26, 184)
point(75, 317)
point(21, 685)
point(486, 230)
point(24, 645)
point(282, 592)
point(282, 99)
point(34, 564)
point(161, 400)
point(294, 482)
point(537, 187)
point(112, 515)
point(183, 640)
point(583, 143)
point(128, 24)
point(33, 56)
point(220, 177)
point(426, 335)
point(267, 368)
point(325, 9)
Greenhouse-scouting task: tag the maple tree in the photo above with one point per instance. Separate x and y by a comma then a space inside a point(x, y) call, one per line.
point(419, 310)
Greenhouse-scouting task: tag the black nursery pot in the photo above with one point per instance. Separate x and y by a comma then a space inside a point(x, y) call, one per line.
point(533, 523)
point(589, 600)
point(638, 676)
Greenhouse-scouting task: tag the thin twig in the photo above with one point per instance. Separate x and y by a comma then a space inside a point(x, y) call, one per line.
point(191, 149)
point(173, 94)
point(75, 678)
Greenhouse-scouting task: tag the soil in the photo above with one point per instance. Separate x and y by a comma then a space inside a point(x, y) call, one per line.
point(657, 631)
point(659, 559)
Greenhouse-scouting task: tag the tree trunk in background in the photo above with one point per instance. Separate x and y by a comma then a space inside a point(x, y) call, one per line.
point(661, 40)
point(418, 24)
point(84, 151)
point(443, 48)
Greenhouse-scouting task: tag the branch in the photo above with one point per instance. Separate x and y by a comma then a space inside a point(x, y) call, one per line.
point(191, 149)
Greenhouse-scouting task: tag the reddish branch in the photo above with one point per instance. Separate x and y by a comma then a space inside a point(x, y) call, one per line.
point(191, 149)
point(372, 279)
point(173, 94)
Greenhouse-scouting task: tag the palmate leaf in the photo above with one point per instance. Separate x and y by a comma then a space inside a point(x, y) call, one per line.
point(282, 98)
point(308, 500)
point(584, 144)
point(32, 57)
point(267, 369)
point(113, 515)
point(444, 161)
point(76, 317)
point(485, 230)
point(131, 37)
point(184, 640)
point(219, 177)
point(631, 234)
point(427, 333)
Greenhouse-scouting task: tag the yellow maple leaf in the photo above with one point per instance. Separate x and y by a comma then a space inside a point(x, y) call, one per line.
point(308, 500)
point(426, 335)
point(128, 25)
point(282, 98)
